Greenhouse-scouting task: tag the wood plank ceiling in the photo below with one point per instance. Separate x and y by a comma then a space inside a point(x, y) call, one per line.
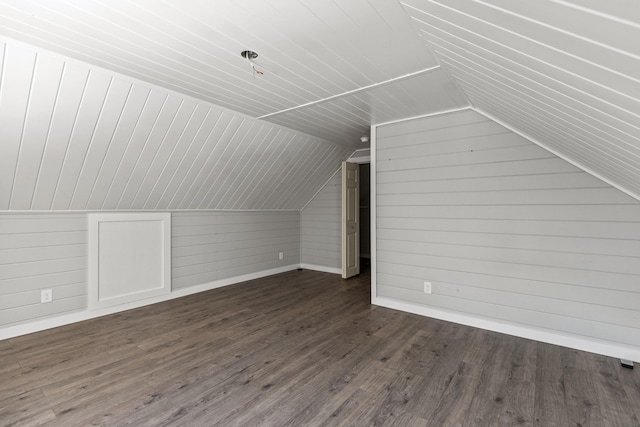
point(162, 112)
point(563, 73)
point(79, 138)
point(308, 51)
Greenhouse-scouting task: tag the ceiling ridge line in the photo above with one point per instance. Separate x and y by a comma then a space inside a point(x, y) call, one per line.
point(353, 91)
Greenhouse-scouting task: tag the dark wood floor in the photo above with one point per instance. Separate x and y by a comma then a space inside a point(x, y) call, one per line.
point(302, 348)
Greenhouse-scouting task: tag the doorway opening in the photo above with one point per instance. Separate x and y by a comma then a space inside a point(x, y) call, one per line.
point(365, 215)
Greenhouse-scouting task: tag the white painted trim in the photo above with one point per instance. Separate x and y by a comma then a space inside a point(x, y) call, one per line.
point(300, 232)
point(359, 160)
point(354, 91)
point(612, 349)
point(439, 113)
point(321, 268)
point(163, 287)
point(560, 155)
point(373, 225)
point(360, 149)
point(458, 86)
point(14, 212)
point(54, 322)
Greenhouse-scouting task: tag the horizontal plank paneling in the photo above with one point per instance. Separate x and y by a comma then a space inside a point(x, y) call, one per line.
point(440, 121)
point(10, 271)
point(210, 246)
point(495, 155)
point(21, 299)
point(228, 254)
point(541, 303)
point(36, 310)
point(445, 145)
point(222, 228)
point(206, 239)
point(451, 133)
point(42, 239)
point(228, 245)
point(589, 278)
point(515, 168)
point(396, 275)
point(552, 212)
point(548, 257)
point(562, 254)
point(479, 237)
point(568, 228)
point(45, 281)
point(589, 328)
point(42, 252)
point(26, 224)
point(49, 251)
point(321, 232)
point(575, 179)
point(577, 196)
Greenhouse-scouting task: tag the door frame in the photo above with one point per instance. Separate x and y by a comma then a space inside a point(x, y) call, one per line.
point(363, 156)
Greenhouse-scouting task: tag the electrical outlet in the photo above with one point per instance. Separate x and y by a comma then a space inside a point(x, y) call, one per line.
point(46, 295)
point(427, 287)
point(281, 255)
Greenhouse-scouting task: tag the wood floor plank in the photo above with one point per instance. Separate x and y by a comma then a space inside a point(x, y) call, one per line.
point(393, 401)
point(550, 407)
point(506, 390)
point(612, 398)
point(301, 348)
point(28, 418)
point(630, 381)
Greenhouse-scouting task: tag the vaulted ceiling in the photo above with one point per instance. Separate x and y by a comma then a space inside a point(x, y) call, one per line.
point(564, 73)
point(330, 68)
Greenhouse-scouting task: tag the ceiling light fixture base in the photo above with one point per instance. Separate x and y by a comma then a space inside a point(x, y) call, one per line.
point(249, 54)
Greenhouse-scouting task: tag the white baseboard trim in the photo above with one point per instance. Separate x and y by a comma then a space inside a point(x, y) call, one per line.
point(322, 268)
point(66, 319)
point(607, 348)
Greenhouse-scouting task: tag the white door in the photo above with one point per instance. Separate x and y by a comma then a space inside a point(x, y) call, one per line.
point(350, 220)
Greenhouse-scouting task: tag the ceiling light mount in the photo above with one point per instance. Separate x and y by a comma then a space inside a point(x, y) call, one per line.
point(249, 54)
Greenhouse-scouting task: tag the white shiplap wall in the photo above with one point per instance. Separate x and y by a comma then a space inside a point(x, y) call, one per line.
point(505, 231)
point(211, 246)
point(209, 249)
point(321, 233)
point(76, 137)
point(42, 251)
